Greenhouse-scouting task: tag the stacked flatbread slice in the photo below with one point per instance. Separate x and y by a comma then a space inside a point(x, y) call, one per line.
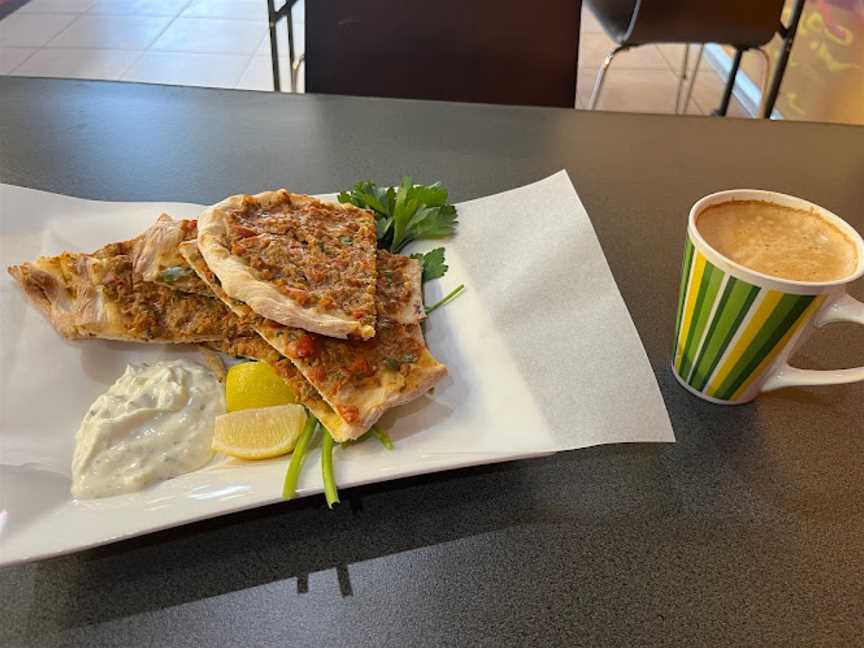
point(307, 277)
point(295, 260)
point(279, 277)
point(105, 295)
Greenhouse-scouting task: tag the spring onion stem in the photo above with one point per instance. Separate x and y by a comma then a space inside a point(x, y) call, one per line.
point(330, 491)
point(382, 436)
point(453, 294)
point(297, 457)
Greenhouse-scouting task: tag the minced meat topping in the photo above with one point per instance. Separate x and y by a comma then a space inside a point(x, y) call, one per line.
point(151, 311)
point(335, 366)
point(320, 255)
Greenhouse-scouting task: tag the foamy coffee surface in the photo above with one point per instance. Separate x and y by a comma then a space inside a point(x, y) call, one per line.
point(780, 241)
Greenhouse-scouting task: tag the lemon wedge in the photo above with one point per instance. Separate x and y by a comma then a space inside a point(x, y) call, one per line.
point(259, 433)
point(250, 385)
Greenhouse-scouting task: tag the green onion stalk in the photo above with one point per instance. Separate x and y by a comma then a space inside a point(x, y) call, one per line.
point(289, 488)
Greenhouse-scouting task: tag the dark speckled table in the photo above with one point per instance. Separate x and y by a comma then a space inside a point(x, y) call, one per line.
point(747, 532)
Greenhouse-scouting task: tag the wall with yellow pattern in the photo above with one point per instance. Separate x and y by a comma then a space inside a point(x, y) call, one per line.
point(825, 77)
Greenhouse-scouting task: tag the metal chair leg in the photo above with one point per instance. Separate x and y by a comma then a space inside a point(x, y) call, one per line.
point(601, 75)
point(693, 77)
point(272, 17)
point(788, 34)
point(766, 68)
point(730, 84)
point(290, 22)
point(682, 78)
point(295, 72)
point(766, 73)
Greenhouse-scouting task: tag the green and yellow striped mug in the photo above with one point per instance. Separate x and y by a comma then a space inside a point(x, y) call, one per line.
point(736, 328)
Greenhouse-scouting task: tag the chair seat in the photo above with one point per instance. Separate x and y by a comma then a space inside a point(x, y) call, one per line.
point(741, 23)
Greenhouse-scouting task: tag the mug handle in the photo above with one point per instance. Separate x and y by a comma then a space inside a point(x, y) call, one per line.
point(843, 309)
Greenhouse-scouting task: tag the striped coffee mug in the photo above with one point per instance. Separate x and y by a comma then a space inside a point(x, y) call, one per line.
point(736, 327)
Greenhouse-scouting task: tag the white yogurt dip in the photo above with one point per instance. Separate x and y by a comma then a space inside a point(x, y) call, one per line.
point(154, 423)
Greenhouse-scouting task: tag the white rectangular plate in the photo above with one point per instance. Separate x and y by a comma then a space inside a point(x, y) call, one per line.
point(486, 410)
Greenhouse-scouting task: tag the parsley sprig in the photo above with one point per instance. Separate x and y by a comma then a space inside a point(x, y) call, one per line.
point(405, 213)
point(433, 264)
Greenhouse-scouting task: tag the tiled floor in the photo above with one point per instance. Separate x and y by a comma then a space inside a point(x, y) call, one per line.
point(218, 43)
point(225, 43)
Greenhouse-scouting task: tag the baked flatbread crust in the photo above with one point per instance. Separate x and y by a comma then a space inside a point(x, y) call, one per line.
point(358, 380)
point(399, 295)
point(97, 295)
point(43, 284)
point(156, 256)
point(295, 260)
point(256, 348)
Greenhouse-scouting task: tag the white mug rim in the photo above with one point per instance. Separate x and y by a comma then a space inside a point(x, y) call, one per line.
point(786, 200)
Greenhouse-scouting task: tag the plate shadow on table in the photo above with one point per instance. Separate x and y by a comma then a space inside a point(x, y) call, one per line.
point(273, 543)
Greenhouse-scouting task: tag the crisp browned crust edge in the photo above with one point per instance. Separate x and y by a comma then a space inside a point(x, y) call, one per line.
point(419, 312)
point(82, 314)
point(161, 234)
point(420, 380)
point(158, 242)
point(414, 311)
point(44, 292)
point(265, 299)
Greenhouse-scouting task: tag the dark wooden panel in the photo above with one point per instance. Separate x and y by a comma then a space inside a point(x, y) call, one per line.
point(475, 50)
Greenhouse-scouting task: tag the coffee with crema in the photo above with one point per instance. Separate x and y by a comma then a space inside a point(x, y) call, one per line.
point(780, 241)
